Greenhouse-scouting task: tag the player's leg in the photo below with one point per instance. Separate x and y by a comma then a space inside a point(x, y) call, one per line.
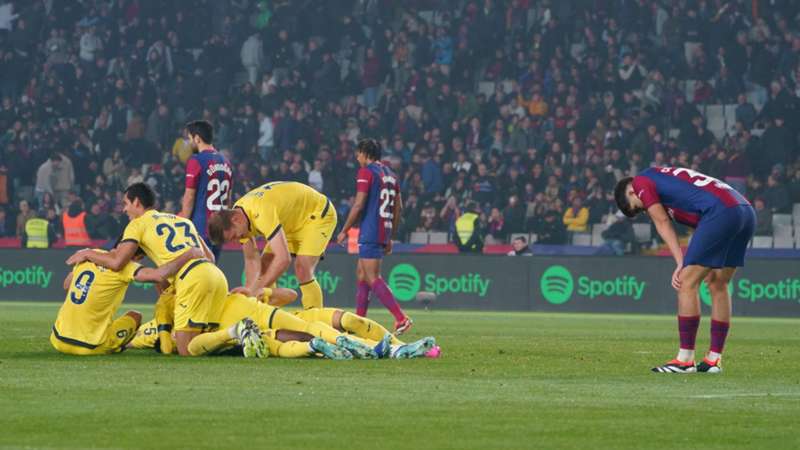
point(304, 267)
point(717, 282)
point(306, 345)
point(361, 326)
point(282, 320)
point(362, 291)
point(372, 272)
point(688, 320)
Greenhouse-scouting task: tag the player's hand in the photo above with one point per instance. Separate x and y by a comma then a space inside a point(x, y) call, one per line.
point(79, 257)
point(387, 249)
point(676, 277)
point(341, 238)
point(242, 290)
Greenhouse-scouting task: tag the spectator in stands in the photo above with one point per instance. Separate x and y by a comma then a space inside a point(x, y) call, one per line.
point(618, 236)
point(763, 218)
point(5, 229)
point(776, 196)
point(469, 231)
point(551, 230)
point(38, 232)
point(520, 247)
point(496, 231)
point(25, 213)
point(576, 217)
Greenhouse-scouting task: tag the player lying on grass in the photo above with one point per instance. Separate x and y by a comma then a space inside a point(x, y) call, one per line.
point(238, 308)
point(84, 324)
point(303, 326)
point(724, 223)
point(200, 286)
point(294, 219)
point(356, 325)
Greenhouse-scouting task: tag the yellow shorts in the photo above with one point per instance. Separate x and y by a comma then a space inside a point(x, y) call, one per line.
point(118, 333)
point(200, 292)
point(312, 238)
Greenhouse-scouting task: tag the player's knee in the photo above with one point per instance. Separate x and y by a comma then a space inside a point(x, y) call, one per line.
point(136, 316)
point(717, 286)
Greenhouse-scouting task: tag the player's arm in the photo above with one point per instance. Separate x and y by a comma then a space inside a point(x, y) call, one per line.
point(353, 216)
point(187, 204)
point(280, 262)
point(665, 229)
point(193, 170)
point(165, 271)
point(67, 281)
point(252, 262)
point(398, 211)
point(114, 260)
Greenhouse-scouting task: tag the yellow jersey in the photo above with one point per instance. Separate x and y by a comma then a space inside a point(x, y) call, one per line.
point(92, 299)
point(286, 205)
point(162, 236)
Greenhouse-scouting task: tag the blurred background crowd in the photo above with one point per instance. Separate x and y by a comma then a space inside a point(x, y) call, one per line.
point(523, 111)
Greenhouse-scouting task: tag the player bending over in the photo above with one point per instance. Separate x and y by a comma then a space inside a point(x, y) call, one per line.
point(377, 207)
point(724, 223)
point(294, 219)
point(84, 324)
point(200, 286)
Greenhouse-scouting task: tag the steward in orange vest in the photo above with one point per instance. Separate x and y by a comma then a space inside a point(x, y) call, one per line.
point(74, 222)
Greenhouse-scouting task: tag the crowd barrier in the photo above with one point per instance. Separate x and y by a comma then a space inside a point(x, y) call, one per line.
point(766, 287)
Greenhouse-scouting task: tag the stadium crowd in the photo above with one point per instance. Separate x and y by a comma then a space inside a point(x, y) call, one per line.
point(525, 111)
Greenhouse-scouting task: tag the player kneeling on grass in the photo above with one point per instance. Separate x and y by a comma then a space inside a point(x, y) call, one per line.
point(724, 223)
point(84, 325)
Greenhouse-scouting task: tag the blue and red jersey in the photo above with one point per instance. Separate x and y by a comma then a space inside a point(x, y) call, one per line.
point(380, 185)
point(687, 195)
point(210, 174)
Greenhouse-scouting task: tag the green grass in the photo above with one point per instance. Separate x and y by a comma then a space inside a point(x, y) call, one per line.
point(506, 380)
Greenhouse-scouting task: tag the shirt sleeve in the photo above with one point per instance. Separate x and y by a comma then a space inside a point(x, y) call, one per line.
point(645, 189)
point(363, 180)
point(133, 232)
point(193, 170)
point(128, 273)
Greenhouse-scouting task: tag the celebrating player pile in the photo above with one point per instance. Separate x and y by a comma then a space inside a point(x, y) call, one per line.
point(195, 314)
point(724, 223)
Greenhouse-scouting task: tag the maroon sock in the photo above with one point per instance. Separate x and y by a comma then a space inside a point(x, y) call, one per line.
point(362, 298)
point(719, 331)
point(386, 297)
point(687, 328)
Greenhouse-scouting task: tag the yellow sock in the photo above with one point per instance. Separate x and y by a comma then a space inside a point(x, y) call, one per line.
point(312, 294)
point(323, 330)
point(209, 342)
point(365, 328)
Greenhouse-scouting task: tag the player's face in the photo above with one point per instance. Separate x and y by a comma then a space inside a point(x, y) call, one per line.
point(132, 209)
point(362, 159)
point(238, 230)
point(634, 202)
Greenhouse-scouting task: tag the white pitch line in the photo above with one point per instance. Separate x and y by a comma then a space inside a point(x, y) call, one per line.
point(753, 394)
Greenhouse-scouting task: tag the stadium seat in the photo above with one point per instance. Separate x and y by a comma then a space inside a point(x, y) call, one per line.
point(688, 90)
point(486, 88)
point(714, 112)
point(508, 87)
point(437, 237)
point(582, 239)
point(783, 242)
point(597, 234)
point(796, 213)
point(781, 219)
point(762, 242)
point(419, 237)
point(642, 232)
point(782, 231)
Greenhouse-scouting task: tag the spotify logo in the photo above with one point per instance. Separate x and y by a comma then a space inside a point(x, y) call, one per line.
point(405, 282)
point(556, 284)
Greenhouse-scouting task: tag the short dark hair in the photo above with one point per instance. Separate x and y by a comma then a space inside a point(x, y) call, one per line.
point(521, 238)
point(201, 128)
point(621, 198)
point(369, 147)
point(143, 192)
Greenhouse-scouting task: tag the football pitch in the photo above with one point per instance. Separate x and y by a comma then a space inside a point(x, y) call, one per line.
point(505, 380)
